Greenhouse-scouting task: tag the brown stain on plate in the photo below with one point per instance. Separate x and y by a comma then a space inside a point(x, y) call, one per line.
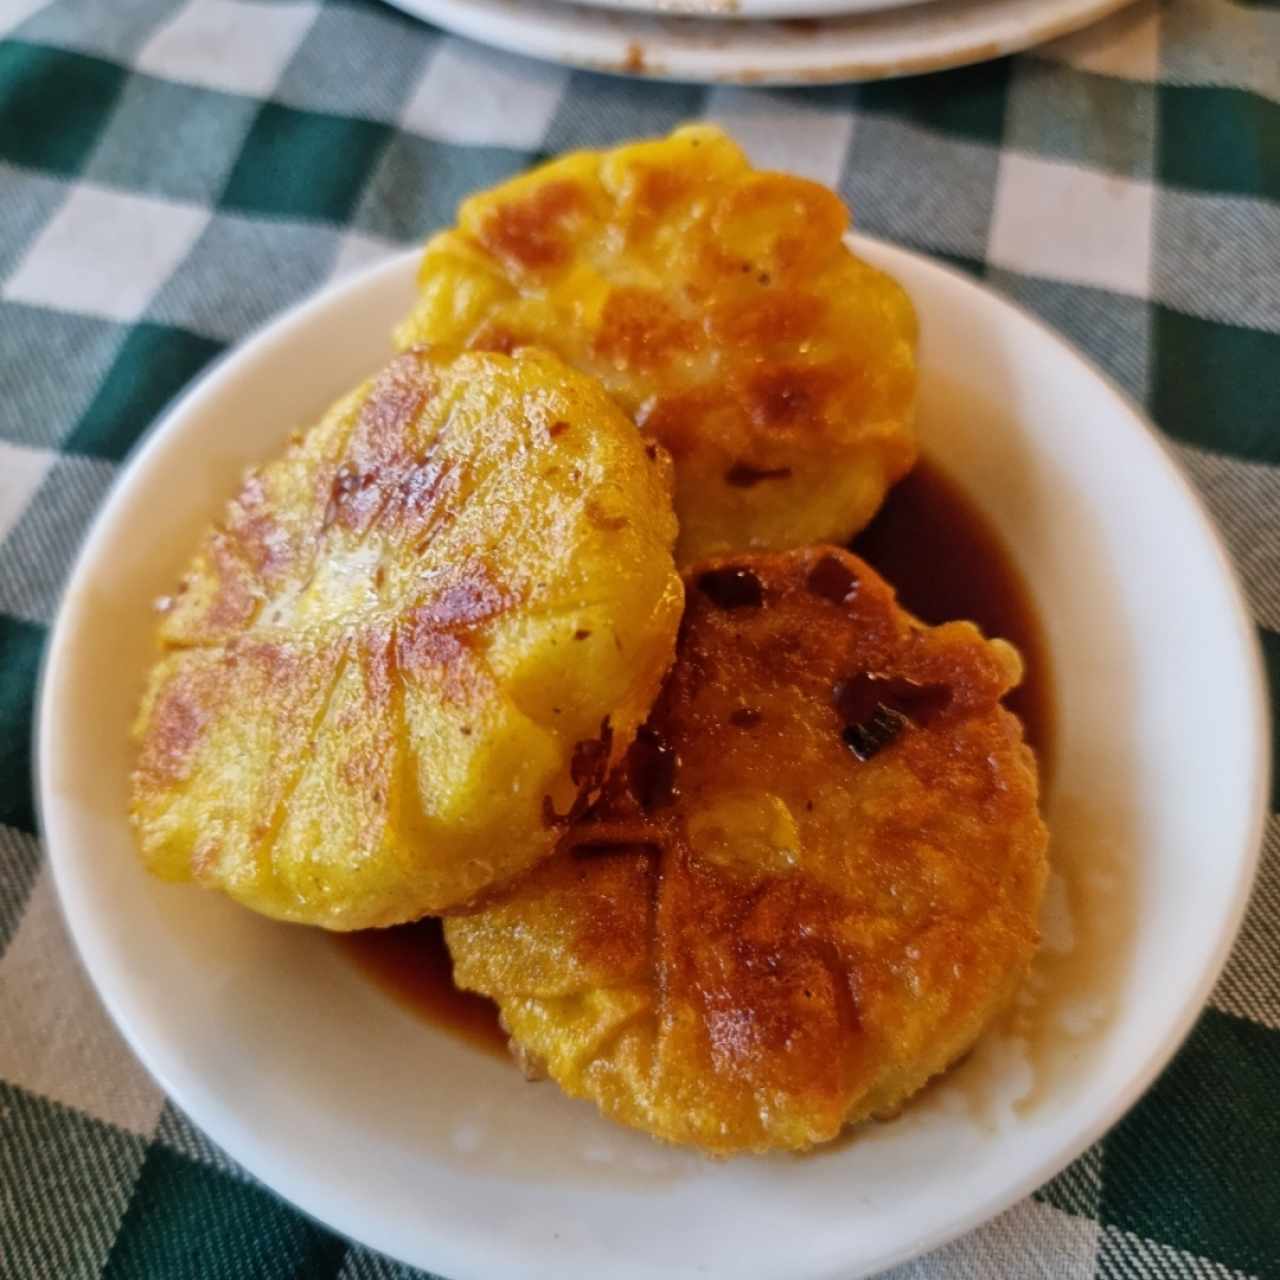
point(819, 32)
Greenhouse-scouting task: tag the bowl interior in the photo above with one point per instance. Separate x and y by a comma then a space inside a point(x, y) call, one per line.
point(422, 1146)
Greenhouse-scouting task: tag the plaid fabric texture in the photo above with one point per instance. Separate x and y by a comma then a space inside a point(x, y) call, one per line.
point(174, 172)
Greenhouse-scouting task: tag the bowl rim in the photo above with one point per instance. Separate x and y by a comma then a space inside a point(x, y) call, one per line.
point(457, 1257)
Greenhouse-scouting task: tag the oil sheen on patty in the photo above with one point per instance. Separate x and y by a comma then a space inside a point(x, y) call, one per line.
point(812, 883)
point(431, 623)
point(719, 306)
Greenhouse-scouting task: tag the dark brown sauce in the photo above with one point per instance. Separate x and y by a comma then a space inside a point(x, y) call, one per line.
point(946, 561)
point(411, 963)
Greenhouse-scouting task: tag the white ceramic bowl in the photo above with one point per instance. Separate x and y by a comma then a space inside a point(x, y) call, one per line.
point(407, 1139)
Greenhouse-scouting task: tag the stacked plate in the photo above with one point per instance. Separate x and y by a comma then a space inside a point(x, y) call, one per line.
point(776, 42)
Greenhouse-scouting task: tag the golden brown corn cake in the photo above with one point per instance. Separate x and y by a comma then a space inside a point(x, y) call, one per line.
point(411, 642)
point(811, 884)
point(719, 307)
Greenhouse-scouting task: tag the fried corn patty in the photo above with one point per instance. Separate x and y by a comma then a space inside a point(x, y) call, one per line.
point(811, 884)
point(719, 307)
point(411, 642)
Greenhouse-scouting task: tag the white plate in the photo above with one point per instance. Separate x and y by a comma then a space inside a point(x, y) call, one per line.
point(753, 8)
point(407, 1139)
point(870, 46)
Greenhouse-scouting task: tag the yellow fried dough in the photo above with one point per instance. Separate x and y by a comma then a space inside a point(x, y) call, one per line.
point(719, 306)
point(810, 886)
point(411, 642)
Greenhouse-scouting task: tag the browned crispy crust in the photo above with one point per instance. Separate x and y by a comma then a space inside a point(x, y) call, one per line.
point(719, 306)
point(807, 890)
point(362, 707)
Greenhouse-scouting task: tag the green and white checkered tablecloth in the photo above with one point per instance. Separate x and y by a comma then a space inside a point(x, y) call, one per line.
point(174, 172)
